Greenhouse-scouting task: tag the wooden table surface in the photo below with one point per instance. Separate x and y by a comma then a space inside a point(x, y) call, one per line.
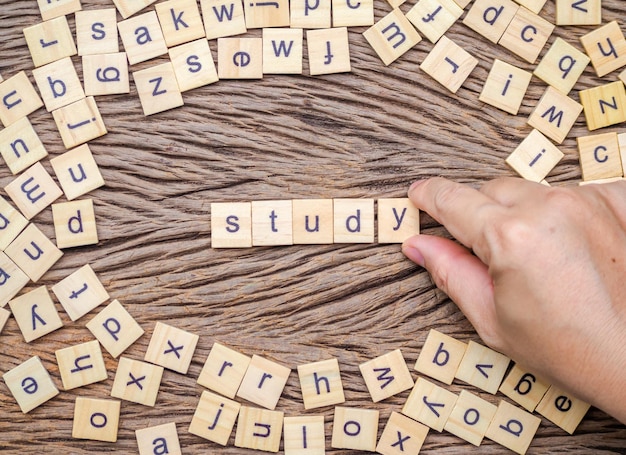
point(368, 133)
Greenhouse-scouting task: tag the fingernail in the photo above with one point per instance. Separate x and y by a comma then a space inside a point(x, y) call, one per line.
point(413, 254)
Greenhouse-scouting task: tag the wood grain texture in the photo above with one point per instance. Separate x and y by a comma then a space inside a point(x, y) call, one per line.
point(369, 133)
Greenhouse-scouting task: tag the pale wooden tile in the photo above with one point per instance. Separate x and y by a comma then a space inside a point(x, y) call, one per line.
point(353, 220)
point(272, 223)
point(231, 225)
point(33, 252)
point(106, 74)
point(386, 375)
point(449, 64)
point(490, 18)
point(96, 31)
point(81, 365)
point(96, 419)
point(115, 328)
point(263, 382)
point(355, 428)
point(137, 381)
point(50, 40)
point(12, 222)
point(606, 47)
point(142, 37)
point(19, 98)
point(527, 34)
point(429, 404)
point(158, 439)
point(304, 435)
point(4, 317)
point(401, 435)
point(470, 418)
point(513, 428)
point(193, 65)
point(35, 314)
point(562, 409)
point(329, 51)
point(282, 50)
point(158, 88)
point(224, 370)
point(349, 13)
point(505, 87)
point(223, 18)
point(77, 172)
point(604, 105)
point(482, 367)
point(58, 83)
point(129, 7)
point(30, 384)
point(240, 58)
point(588, 12)
point(180, 21)
point(20, 146)
point(312, 221)
point(266, 14)
point(79, 122)
point(433, 18)
point(321, 384)
point(80, 292)
point(524, 387)
point(562, 65)
point(33, 190)
point(555, 114)
point(600, 156)
point(535, 157)
point(392, 36)
point(51, 9)
point(214, 418)
point(259, 429)
point(440, 356)
point(533, 5)
point(75, 223)
point(12, 279)
point(307, 14)
point(171, 347)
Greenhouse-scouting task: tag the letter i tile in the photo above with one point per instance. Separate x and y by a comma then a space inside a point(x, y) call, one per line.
point(79, 122)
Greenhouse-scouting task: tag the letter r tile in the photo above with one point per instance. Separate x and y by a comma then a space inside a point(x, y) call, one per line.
point(263, 382)
point(224, 370)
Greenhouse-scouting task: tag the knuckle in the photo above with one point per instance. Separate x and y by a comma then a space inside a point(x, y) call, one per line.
point(446, 196)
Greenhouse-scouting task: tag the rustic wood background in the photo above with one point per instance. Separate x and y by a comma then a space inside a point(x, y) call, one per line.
point(369, 133)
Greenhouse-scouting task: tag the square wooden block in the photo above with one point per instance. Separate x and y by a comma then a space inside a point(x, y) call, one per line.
point(429, 404)
point(304, 435)
point(240, 58)
point(526, 35)
point(58, 83)
point(4, 317)
point(158, 439)
point(171, 348)
point(355, 428)
point(75, 223)
point(50, 9)
point(158, 88)
point(470, 418)
point(621, 140)
point(392, 36)
point(265, 14)
point(352, 14)
point(35, 314)
point(588, 12)
point(137, 381)
point(513, 428)
point(79, 122)
point(524, 387)
point(77, 172)
point(353, 220)
point(533, 5)
point(604, 105)
point(193, 65)
point(12, 279)
point(231, 225)
point(272, 223)
point(19, 98)
point(401, 435)
point(223, 18)
point(214, 418)
point(386, 375)
point(282, 50)
point(80, 292)
point(50, 40)
point(81, 365)
point(106, 74)
point(33, 252)
point(12, 222)
point(606, 46)
point(321, 384)
point(483, 367)
point(96, 419)
point(440, 357)
point(600, 156)
point(555, 114)
point(20, 146)
point(263, 382)
point(142, 37)
point(115, 328)
point(562, 409)
point(433, 18)
point(562, 66)
point(259, 429)
point(505, 87)
point(224, 370)
point(30, 384)
point(490, 18)
point(33, 190)
point(180, 21)
point(312, 221)
point(449, 64)
point(305, 14)
point(535, 157)
point(129, 7)
point(96, 31)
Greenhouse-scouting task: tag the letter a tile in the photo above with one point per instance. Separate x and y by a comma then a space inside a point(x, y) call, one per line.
point(159, 439)
point(12, 279)
point(12, 222)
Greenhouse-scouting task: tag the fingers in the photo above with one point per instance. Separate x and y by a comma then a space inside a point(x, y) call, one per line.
point(510, 191)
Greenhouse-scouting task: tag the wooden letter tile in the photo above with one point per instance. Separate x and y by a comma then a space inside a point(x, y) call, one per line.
point(106, 74)
point(33, 190)
point(524, 387)
point(4, 317)
point(33, 252)
point(307, 14)
point(505, 87)
point(329, 51)
point(355, 429)
point(77, 172)
point(129, 7)
point(12, 222)
point(621, 140)
point(353, 220)
point(58, 83)
point(272, 223)
point(158, 439)
point(347, 13)
point(282, 50)
point(401, 435)
point(526, 35)
point(535, 157)
point(555, 115)
point(223, 18)
point(115, 328)
point(392, 36)
point(449, 64)
point(562, 409)
point(604, 105)
point(321, 384)
point(81, 365)
point(606, 46)
point(490, 18)
point(30, 384)
point(569, 12)
point(96, 31)
point(80, 292)
point(20, 146)
point(75, 223)
point(259, 429)
point(263, 382)
point(51, 9)
point(513, 428)
point(240, 58)
point(96, 419)
point(142, 37)
point(231, 225)
point(482, 367)
point(19, 98)
point(433, 18)
point(171, 348)
point(533, 5)
point(470, 418)
point(158, 89)
point(266, 14)
point(79, 122)
point(214, 418)
point(50, 40)
point(137, 381)
point(600, 156)
point(312, 221)
point(429, 404)
point(12, 279)
point(223, 370)
point(35, 314)
point(440, 357)
point(304, 435)
point(386, 375)
point(180, 21)
point(562, 66)
point(193, 65)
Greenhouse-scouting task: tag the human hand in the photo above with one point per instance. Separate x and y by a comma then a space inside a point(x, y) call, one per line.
point(546, 284)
